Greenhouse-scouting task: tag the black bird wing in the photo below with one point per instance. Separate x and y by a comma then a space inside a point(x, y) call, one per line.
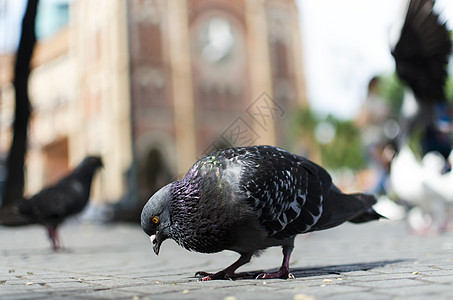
point(291, 200)
point(57, 202)
point(422, 51)
point(291, 194)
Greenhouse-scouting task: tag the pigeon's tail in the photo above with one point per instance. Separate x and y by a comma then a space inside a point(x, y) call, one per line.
point(339, 208)
point(10, 216)
point(368, 215)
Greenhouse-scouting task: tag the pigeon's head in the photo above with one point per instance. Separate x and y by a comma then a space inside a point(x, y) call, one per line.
point(155, 217)
point(94, 161)
point(89, 165)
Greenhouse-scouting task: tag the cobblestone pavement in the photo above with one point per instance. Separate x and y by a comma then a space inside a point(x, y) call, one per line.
point(369, 261)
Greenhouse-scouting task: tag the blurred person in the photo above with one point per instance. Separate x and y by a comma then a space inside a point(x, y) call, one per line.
point(374, 114)
point(437, 135)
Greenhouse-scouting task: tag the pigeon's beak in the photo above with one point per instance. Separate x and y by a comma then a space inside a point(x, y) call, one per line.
point(156, 241)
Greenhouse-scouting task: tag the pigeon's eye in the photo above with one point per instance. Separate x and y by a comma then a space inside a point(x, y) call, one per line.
point(155, 220)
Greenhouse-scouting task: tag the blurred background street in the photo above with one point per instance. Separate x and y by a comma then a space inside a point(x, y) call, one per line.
point(149, 87)
point(124, 80)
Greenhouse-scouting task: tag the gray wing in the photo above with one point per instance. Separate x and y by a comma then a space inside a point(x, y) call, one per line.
point(56, 202)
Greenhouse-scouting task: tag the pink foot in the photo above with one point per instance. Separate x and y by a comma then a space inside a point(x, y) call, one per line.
point(282, 273)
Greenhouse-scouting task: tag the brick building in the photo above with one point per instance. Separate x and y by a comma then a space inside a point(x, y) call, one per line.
point(153, 85)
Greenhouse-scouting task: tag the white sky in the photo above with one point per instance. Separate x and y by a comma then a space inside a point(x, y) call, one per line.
point(10, 25)
point(345, 44)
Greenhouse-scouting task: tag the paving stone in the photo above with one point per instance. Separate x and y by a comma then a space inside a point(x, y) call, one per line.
point(427, 290)
point(371, 261)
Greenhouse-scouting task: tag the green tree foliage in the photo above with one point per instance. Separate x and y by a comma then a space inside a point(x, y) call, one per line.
point(449, 89)
point(391, 89)
point(343, 151)
point(304, 122)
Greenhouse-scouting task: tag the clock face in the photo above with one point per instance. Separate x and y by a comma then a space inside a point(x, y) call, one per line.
point(216, 40)
point(219, 57)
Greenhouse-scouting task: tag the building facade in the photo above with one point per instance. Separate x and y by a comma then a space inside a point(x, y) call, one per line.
point(154, 85)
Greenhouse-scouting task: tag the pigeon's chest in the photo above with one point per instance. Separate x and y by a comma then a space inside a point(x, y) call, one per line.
point(206, 231)
point(207, 221)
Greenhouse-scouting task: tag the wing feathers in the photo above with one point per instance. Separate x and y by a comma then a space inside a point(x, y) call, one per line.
point(422, 51)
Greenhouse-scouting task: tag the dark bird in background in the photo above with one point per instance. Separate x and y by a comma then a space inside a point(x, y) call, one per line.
point(67, 197)
point(246, 200)
point(421, 49)
point(421, 52)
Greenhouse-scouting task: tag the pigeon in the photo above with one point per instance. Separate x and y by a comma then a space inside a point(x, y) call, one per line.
point(247, 199)
point(422, 185)
point(69, 196)
point(436, 178)
point(421, 46)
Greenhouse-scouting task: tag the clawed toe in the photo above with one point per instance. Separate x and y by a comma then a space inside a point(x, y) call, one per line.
point(212, 276)
point(285, 275)
point(201, 273)
point(207, 276)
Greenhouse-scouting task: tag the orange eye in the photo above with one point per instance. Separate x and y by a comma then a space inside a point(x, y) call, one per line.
point(155, 220)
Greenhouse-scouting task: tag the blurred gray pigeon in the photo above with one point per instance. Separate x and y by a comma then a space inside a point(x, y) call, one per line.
point(248, 199)
point(67, 197)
